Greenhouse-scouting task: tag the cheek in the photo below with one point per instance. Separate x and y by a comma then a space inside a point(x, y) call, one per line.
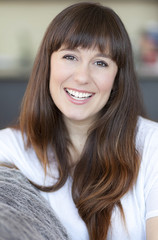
point(106, 83)
point(56, 77)
point(59, 74)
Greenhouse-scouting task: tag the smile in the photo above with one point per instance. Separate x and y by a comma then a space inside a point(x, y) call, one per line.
point(78, 95)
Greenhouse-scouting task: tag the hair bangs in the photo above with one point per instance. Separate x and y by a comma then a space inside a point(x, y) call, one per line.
point(91, 26)
point(87, 39)
point(83, 30)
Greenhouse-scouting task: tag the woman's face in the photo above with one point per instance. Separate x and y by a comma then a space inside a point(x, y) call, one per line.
point(81, 81)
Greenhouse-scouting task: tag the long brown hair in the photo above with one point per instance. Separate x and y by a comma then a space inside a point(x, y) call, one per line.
point(109, 164)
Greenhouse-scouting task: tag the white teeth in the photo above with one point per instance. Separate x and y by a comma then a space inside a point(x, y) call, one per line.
point(78, 95)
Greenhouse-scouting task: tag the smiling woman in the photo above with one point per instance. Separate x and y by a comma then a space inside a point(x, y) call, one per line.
point(81, 138)
point(84, 85)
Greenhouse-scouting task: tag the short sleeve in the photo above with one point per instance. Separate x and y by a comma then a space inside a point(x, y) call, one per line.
point(13, 152)
point(150, 165)
point(7, 148)
point(152, 201)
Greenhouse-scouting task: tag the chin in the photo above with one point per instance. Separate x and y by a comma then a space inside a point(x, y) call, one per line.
point(80, 118)
point(76, 118)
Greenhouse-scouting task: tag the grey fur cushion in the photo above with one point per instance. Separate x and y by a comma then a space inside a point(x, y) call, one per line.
point(24, 213)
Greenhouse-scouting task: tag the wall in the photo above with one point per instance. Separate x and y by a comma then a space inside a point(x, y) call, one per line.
point(23, 23)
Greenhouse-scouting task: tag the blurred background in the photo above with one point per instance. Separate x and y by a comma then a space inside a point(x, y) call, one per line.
point(23, 24)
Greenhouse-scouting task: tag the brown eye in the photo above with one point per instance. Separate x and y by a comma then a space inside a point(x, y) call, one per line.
point(69, 57)
point(101, 63)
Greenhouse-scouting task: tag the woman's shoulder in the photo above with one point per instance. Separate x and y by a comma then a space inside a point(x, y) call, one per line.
point(147, 143)
point(147, 130)
point(12, 147)
point(148, 124)
point(14, 152)
point(10, 137)
point(10, 134)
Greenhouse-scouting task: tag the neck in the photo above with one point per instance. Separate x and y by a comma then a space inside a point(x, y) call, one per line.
point(78, 134)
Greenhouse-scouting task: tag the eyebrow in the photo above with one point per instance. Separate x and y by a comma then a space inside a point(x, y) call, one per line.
point(68, 49)
point(104, 55)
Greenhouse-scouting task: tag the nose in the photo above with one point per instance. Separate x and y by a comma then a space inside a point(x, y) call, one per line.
point(82, 74)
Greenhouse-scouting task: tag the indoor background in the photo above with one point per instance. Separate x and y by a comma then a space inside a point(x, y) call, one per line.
point(23, 23)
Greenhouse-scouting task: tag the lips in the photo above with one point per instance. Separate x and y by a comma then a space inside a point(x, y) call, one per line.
point(78, 95)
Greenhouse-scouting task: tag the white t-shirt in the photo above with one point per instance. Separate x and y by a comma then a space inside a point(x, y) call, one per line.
point(139, 204)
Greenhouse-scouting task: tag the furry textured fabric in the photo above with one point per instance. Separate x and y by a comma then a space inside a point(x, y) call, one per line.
point(24, 213)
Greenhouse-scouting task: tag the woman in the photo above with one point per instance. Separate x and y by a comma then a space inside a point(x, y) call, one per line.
point(81, 139)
